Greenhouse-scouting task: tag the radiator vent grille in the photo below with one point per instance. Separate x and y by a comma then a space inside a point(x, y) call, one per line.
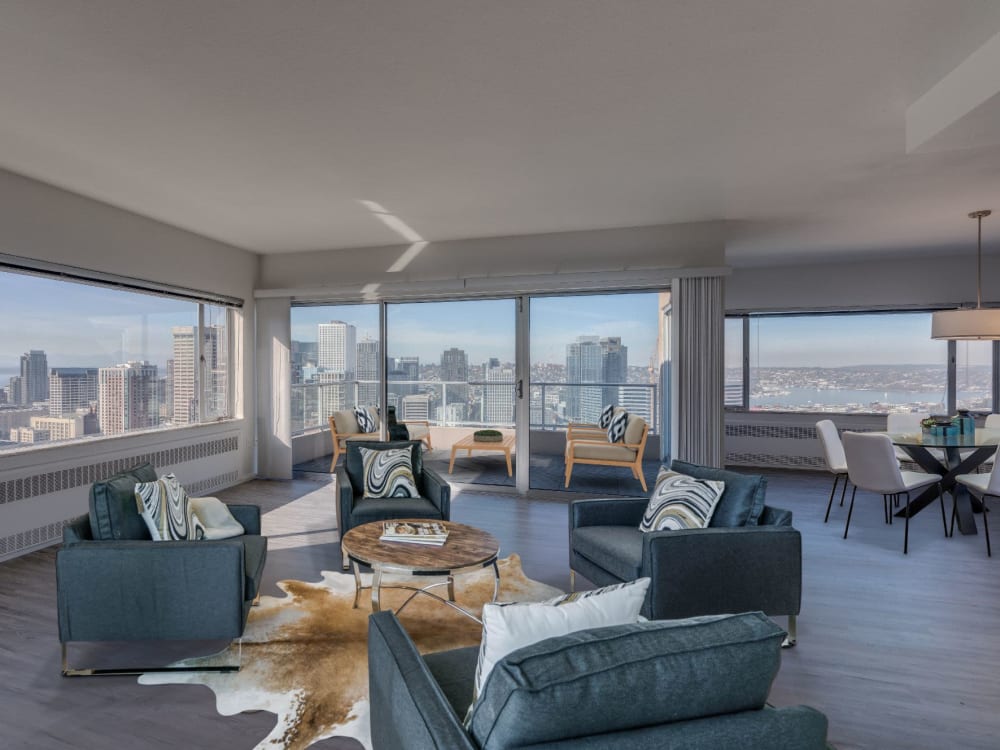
point(51, 533)
point(775, 460)
point(24, 488)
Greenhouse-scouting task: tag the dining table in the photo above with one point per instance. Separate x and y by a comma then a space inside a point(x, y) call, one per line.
point(949, 456)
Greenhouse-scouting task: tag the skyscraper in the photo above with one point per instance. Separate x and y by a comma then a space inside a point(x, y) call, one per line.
point(71, 388)
point(404, 368)
point(127, 397)
point(591, 359)
point(455, 368)
point(337, 348)
point(498, 394)
point(34, 377)
point(212, 374)
point(367, 364)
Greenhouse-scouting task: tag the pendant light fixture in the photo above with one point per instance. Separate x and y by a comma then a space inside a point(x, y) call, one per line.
point(969, 324)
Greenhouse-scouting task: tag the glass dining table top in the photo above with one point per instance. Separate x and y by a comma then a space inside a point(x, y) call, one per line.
point(980, 438)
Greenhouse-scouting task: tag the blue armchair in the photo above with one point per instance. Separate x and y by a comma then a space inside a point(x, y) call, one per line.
point(354, 509)
point(748, 559)
point(114, 583)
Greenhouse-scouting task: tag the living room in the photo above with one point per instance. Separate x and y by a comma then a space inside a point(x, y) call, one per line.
point(817, 163)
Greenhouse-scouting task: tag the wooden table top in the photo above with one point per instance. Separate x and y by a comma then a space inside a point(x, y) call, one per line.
point(470, 442)
point(466, 546)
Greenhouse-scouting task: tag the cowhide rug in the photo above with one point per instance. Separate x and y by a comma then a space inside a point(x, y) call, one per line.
point(305, 655)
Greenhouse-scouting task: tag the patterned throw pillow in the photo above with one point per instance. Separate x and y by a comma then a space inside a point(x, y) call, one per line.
point(616, 430)
point(167, 510)
point(604, 422)
point(681, 502)
point(513, 625)
point(366, 422)
point(389, 473)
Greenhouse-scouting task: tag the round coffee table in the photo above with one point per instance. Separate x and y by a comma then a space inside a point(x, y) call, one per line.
point(467, 549)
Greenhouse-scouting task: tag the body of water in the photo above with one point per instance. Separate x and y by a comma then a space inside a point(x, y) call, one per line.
point(803, 397)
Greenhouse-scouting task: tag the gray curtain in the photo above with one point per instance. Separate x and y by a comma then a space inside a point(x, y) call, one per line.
point(699, 308)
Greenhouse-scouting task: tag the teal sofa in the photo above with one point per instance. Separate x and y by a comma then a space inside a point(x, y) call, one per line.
point(114, 583)
point(698, 684)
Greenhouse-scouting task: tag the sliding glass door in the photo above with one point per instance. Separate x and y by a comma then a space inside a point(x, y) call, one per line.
point(451, 367)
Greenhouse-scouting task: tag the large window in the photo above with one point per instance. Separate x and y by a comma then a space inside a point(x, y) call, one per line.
point(86, 360)
point(872, 363)
point(335, 361)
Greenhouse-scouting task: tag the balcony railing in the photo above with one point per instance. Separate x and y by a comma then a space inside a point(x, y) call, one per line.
point(475, 403)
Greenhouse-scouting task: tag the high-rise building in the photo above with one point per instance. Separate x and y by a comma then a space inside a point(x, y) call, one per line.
point(455, 368)
point(404, 369)
point(71, 388)
point(337, 348)
point(367, 370)
point(415, 408)
point(28, 435)
point(214, 377)
point(34, 377)
point(638, 400)
point(127, 397)
point(498, 394)
point(591, 359)
point(15, 391)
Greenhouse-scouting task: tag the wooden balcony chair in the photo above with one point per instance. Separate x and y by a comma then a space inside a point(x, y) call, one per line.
point(596, 450)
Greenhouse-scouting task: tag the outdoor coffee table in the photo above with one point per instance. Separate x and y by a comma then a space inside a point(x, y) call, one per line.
point(466, 550)
point(469, 444)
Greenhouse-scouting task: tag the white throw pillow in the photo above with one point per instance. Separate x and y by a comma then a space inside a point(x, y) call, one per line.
point(508, 627)
point(219, 523)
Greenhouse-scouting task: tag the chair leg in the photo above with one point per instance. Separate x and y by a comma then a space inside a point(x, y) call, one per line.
point(850, 510)
point(954, 511)
point(843, 490)
point(944, 520)
point(906, 526)
point(836, 478)
point(641, 477)
point(569, 471)
point(885, 508)
point(792, 638)
point(336, 455)
point(572, 580)
point(986, 526)
point(346, 561)
point(891, 505)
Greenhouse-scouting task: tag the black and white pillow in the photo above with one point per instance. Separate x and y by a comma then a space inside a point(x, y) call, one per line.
point(616, 429)
point(167, 511)
point(604, 421)
point(389, 473)
point(366, 422)
point(681, 502)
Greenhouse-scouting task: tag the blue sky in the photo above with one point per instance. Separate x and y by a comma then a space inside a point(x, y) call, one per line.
point(83, 325)
point(485, 328)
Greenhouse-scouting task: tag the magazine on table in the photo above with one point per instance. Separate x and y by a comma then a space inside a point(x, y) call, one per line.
point(429, 532)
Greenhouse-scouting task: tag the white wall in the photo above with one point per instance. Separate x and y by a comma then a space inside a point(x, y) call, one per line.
point(42, 222)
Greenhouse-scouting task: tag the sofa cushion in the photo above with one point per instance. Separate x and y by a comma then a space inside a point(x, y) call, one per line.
point(679, 501)
point(649, 673)
point(633, 432)
point(602, 451)
point(113, 512)
point(389, 473)
point(354, 464)
point(254, 557)
point(616, 549)
point(369, 509)
point(345, 422)
point(742, 502)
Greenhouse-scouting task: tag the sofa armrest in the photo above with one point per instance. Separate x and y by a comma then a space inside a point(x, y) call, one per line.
point(438, 491)
point(623, 511)
point(408, 707)
point(248, 516)
point(345, 500)
point(145, 590)
point(723, 570)
point(775, 517)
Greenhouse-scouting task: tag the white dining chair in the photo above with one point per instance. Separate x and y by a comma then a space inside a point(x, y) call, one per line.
point(872, 466)
point(836, 462)
point(984, 486)
point(906, 422)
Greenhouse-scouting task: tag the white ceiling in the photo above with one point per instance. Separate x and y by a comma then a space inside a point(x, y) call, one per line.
point(269, 124)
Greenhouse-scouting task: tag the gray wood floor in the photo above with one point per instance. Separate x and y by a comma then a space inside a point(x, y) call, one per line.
point(899, 652)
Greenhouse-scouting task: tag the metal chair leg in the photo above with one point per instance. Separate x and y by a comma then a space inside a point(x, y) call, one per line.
point(986, 525)
point(906, 526)
point(944, 521)
point(836, 478)
point(792, 638)
point(885, 508)
point(954, 511)
point(850, 510)
point(345, 561)
point(572, 580)
point(843, 490)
